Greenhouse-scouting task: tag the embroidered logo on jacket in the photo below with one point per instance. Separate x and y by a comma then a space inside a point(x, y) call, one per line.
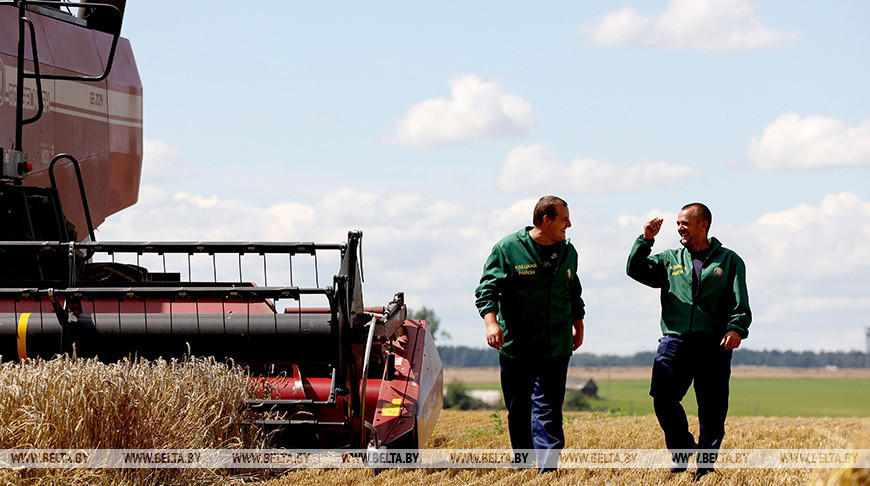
point(676, 269)
point(718, 272)
point(526, 269)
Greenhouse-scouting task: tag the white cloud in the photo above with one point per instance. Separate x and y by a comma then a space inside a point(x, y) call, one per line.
point(718, 25)
point(784, 309)
point(813, 142)
point(816, 241)
point(636, 222)
point(477, 109)
point(807, 268)
point(624, 26)
point(160, 161)
point(806, 265)
point(431, 249)
point(532, 167)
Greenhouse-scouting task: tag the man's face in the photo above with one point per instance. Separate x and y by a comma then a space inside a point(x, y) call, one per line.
point(556, 228)
point(692, 230)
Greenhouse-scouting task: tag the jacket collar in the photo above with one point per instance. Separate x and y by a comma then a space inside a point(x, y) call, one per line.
point(526, 238)
point(529, 243)
point(714, 245)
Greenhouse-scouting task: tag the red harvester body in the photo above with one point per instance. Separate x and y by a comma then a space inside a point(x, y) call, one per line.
point(71, 103)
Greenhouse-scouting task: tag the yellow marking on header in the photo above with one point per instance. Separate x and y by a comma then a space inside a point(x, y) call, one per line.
point(22, 336)
point(392, 409)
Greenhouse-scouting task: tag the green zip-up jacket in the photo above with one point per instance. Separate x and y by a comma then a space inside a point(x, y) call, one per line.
point(535, 313)
point(721, 303)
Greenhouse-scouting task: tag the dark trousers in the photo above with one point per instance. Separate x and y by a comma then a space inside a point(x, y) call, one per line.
point(679, 361)
point(534, 390)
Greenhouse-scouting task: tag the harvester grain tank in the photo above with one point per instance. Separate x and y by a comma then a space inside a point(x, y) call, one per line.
point(71, 111)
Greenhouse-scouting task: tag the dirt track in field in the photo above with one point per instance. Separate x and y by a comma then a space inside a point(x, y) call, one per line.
point(490, 375)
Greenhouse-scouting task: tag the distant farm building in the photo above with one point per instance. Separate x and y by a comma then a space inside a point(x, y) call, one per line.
point(493, 398)
point(490, 397)
point(585, 385)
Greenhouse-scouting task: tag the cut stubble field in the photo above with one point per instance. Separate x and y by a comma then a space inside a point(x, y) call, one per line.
point(793, 389)
point(196, 403)
point(588, 430)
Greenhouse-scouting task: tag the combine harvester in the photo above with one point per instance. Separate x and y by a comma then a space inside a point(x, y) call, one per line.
point(71, 136)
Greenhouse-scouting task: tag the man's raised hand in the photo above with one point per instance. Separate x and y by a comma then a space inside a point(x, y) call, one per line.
point(651, 229)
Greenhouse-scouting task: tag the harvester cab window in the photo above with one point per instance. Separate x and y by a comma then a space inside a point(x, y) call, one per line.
point(103, 19)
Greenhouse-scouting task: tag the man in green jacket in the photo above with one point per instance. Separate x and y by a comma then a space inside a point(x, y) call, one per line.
point(529, 298)
point(705, 315)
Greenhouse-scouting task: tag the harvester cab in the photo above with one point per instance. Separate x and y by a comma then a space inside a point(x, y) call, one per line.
point(340, 374)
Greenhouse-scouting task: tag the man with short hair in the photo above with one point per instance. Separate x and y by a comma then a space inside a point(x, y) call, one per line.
point(530, 300)
point(705, 315)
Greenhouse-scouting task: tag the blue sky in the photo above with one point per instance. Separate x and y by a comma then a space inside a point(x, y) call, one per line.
point(433, 128)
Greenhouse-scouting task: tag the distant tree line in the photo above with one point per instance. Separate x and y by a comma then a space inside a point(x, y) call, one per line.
point(801, 359)
point(465, 356)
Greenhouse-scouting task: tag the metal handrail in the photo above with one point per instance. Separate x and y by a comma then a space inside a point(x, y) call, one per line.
point(168, 292)
point(394, 307)
point(364, 377)
point(182, 247)
point(81, 182)
point(115, 37)
point(36, 75)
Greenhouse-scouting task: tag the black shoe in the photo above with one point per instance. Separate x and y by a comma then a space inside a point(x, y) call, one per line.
point(701, 472)
point(681, 464)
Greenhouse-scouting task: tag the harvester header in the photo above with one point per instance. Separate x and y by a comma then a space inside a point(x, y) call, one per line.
point(335, 373)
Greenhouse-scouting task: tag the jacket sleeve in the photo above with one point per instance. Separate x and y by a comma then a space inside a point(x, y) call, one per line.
point(489, 291)
point(578, 307)
point(741, 316)
point(644, 268)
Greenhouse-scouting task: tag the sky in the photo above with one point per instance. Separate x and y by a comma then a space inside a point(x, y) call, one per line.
point(434, 127)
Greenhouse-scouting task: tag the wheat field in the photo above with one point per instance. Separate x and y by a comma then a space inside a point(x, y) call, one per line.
point(585, 430)
point(196, 403)
point(69, 404)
